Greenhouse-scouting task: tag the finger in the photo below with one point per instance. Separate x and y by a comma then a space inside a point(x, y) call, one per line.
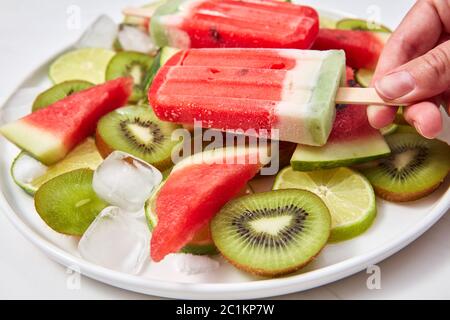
point(419, 79)
point(425, 117)
point(418, 33)
point(403, 46)
point(381, 116)
point(446, 102)
point(443, 7)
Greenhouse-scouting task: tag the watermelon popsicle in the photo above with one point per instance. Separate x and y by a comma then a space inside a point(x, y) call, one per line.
point(284, 94)
point(233, 23)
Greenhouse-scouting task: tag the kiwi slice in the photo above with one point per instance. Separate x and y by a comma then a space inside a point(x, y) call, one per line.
point(137, 131)
point(59, 92)
point(134, 64)
point(67, 203)
point(416, 167)
point(360, 24)
point(272, 233)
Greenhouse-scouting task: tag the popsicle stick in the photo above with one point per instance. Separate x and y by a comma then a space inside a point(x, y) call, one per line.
point(140, 12)
point(362, 96)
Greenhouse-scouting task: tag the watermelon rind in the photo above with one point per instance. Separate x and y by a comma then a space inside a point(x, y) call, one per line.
point(42, 145)
point(340, 153)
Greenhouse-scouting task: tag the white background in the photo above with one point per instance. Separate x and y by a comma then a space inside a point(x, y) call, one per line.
point(31, 31)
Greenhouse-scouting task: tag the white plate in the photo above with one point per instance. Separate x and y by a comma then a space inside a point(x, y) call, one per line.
point(396, 226)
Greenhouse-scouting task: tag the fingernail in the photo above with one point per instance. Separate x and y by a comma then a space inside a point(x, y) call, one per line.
point(396, 85)
point(420, 131)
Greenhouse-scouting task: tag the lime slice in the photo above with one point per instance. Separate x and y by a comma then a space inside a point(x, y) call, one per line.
point(348, 195)
point(88, 64)
point(30, 174)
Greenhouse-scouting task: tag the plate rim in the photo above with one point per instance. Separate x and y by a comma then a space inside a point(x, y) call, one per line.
point(246, 290)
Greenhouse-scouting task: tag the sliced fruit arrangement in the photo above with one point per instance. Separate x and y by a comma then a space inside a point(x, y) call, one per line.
point(137, 131)
point(59, 92)
point(415, 169)
point(272, 233)
point(182, 210)
point(203, 206)
point(88, 64)
point(50, 133)
point(130, 64)
point(67, 203)
point(348, 195)
point(85, 155)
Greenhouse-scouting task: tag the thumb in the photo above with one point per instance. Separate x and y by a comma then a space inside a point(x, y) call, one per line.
point(419, 79)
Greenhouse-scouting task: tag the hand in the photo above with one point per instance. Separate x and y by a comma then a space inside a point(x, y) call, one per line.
point(415, 68)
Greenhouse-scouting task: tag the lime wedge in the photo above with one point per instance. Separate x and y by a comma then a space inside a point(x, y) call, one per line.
point(348, 195)
point(29, 174)
point(88, 64)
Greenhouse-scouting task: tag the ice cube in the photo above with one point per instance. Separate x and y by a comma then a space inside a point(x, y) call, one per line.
point(116, 240)
point(125, 181)
point(190, 264)
point(134, 39)
point(101, 34)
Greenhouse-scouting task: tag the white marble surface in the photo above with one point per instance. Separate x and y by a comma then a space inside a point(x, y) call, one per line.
point(30, 31)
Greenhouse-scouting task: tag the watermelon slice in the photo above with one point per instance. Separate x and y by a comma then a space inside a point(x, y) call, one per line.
point(352, 140)
point(50, 133)
point(195, 191)
point(362, 48)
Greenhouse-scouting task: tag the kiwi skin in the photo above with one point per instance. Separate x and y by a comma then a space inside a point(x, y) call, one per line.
point(265, 273)
point(389, 196)
point(280, 272)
